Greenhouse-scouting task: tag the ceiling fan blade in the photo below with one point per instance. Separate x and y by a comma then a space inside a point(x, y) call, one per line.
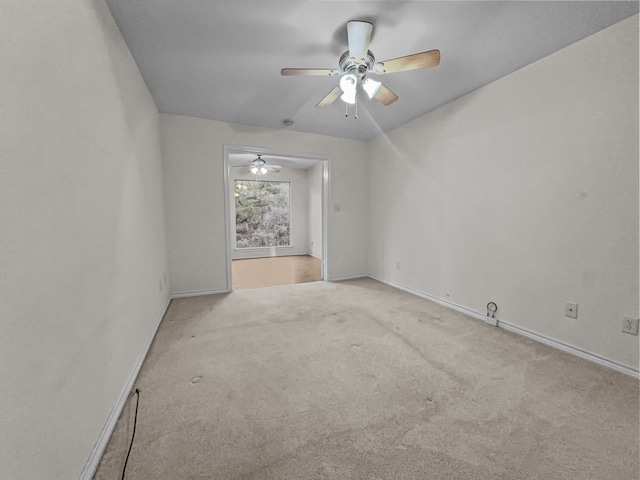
point(308, 71)
point(385, 96)
point(409, 62)
point(359, 35)
point(275, 168)
point(330, 98)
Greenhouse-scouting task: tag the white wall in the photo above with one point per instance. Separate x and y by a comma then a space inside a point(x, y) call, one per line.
point(298, 204)
point(193, 159)
point(524, 192)
point(82, 243)
point(315, 182)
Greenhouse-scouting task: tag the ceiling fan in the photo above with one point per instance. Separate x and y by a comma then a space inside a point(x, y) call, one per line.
point(358, 62)
point(260, 167)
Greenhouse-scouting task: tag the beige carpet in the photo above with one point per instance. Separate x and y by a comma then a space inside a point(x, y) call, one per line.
point(356, 380)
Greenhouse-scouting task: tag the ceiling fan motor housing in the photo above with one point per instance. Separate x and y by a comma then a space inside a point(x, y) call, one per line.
point(348, 64)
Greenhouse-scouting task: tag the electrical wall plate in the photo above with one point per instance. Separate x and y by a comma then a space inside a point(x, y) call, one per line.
point(571, 310)
point(630, 325)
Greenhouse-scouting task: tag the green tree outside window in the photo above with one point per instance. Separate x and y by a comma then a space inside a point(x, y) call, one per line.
point(262, 213)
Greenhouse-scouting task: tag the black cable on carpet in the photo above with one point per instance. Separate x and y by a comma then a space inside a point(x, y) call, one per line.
point(133, 435)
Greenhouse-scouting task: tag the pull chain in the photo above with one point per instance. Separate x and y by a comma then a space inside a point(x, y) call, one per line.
point(346, 109)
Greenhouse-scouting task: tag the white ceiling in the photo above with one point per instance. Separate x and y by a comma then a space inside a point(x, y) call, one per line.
point(222, 59)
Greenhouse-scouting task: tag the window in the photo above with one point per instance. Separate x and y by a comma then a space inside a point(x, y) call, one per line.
point(262, 214)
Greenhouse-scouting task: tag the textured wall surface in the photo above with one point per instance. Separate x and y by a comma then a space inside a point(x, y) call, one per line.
point(524, 192)
point(82, 242)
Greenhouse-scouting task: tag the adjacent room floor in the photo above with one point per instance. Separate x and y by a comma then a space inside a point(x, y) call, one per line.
point(272, 271)
point(357, 380)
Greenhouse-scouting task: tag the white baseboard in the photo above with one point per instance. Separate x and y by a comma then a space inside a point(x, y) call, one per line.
point(91, 466)
point(445, 303)
point(518, 330)
point(339, 278)
point(199, 293)
point(570, 349)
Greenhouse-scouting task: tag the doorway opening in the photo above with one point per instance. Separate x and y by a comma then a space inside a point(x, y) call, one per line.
point(276, 217)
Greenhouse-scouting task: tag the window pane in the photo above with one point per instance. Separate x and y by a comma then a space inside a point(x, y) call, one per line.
point(262, 214)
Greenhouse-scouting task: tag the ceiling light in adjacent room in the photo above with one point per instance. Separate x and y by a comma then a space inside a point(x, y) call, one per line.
point(256, 170)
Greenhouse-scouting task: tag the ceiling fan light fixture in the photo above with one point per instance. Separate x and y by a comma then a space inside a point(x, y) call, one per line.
point(258, 169)
point(348, 97)
point(358, 61)
point(371, 86)
point(348, 85)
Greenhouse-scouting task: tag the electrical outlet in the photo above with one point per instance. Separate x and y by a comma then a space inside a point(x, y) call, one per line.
point(630, 325)
point(571, 310)
point(397, 265)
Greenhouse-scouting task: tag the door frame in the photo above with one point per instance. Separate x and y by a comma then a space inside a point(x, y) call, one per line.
point(326, 180)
